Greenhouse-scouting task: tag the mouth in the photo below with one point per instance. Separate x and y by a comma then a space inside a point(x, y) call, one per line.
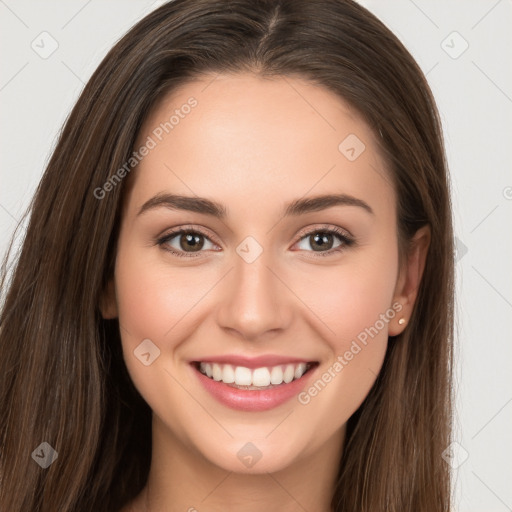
point(264, 377)
point(254, 387)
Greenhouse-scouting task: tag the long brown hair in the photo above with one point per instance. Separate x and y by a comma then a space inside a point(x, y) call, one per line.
point(62, 376)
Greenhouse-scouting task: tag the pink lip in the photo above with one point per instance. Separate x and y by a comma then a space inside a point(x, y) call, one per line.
point(252, 399)
point(253, 362)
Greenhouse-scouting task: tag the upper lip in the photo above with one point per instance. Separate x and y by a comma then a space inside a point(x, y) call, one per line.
point(253, 362)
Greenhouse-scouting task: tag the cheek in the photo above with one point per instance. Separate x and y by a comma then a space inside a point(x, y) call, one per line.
point(153, 302)
point(151, 297)
point(363, 299)
point(355, 307)
point(351, 297)
point(149, 302)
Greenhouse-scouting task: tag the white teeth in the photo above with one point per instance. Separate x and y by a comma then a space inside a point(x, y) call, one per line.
point(258, 377)
point(217, 372)
point(276, 376)
point(299, 370)
point(228, 374)
point(243, 376)
point(289, 373)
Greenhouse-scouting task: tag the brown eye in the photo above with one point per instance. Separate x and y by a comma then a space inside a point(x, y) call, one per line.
point(323, 241)
point(193, 242)
point(185, 242)
point(320, 241)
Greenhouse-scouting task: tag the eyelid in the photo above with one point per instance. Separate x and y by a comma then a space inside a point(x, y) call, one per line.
point(346, 237)
point(189, 228)
point(327, 227)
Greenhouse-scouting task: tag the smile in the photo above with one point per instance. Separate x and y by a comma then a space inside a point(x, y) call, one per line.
point(252, 385)
point(257, 378)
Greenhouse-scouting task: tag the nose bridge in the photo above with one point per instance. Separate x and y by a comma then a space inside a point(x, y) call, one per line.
point(254, 281)
point(254, 301)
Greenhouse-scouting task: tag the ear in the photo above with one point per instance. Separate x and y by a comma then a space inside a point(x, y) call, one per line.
point(409, 278)
point(108, 303)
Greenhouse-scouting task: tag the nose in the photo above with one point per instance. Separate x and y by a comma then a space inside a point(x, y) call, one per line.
point(255, 303)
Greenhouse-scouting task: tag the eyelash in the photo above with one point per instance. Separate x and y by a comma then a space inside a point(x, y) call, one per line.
point(346, 240)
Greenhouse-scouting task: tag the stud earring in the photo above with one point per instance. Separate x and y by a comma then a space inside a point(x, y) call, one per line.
point(401, 321)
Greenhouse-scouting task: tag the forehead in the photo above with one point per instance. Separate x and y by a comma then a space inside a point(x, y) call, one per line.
point(253, 138)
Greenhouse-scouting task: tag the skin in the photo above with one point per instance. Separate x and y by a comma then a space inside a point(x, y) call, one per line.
point(253, 142)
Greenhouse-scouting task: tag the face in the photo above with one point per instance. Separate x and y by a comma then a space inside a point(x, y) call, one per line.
point(279, 284)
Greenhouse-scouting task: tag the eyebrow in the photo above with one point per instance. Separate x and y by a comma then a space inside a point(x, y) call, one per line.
point(208, 207)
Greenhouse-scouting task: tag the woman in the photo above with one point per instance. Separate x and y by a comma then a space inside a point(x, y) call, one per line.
point(175, 335)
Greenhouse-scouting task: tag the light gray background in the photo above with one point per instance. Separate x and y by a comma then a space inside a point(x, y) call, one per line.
point(473, 89)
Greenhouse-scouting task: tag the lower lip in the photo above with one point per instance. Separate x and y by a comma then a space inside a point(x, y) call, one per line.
point(252, 399)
